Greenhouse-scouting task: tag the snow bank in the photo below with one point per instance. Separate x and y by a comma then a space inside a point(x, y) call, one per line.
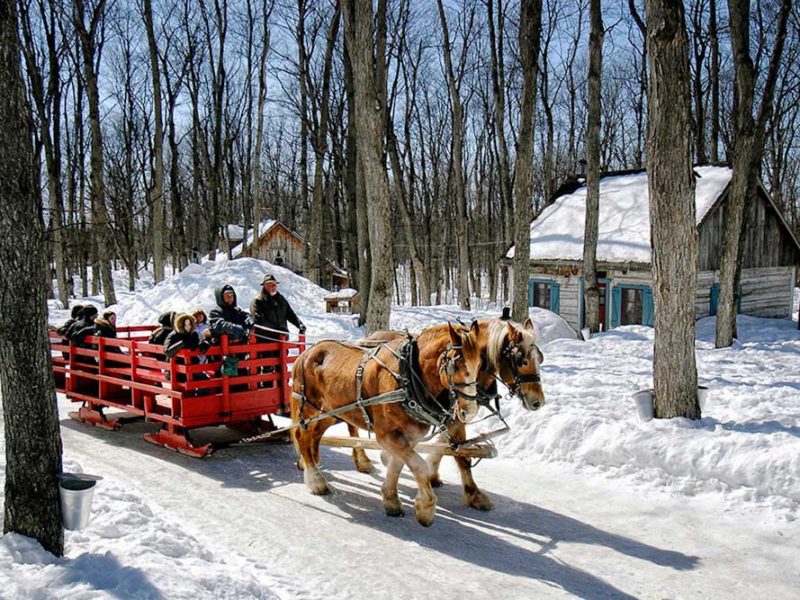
point(746, 446)
point(129, 550)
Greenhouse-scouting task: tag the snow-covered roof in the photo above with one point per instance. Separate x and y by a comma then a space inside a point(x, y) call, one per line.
point(624, 226)
point(263, 228)
point(343, 294)
point(235, 233)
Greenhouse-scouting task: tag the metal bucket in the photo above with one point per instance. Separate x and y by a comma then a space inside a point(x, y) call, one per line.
point(644, 404)
point(76, 500)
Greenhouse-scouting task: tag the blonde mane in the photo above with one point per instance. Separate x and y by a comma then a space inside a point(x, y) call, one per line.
point(498, 334)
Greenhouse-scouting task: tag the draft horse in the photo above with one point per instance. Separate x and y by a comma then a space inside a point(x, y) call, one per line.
point(394, 390)
point(509, 352)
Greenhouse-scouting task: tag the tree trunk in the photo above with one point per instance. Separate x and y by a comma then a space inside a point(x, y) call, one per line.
point(33, 445)
point(313, 249)
point(157, 188)
point(748, 149)
point(672, 212)
point(530, 31)
point(370, 114)
point(262, 99)
point(457, 114)
point(713, 40)
point(90, 50)
point(591, 290)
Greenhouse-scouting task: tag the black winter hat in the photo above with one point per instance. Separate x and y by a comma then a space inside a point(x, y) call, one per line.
point(76, 311)
point(269, 278)
point(89, 311)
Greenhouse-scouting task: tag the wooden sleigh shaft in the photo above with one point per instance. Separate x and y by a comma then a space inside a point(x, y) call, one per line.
point(466, 451)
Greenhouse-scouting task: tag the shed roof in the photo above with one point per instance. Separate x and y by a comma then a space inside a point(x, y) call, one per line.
point(624, 224)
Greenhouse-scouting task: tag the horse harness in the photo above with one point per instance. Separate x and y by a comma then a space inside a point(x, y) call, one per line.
point(413, 395)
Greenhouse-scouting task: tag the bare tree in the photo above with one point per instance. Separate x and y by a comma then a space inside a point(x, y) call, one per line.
point(457, 112)
point(530, 30)
point(370, 112)
point(92, 39)
point(157, 187)
point(591, 290)
point(672, 212)
point(33, 446)
point(748, 150)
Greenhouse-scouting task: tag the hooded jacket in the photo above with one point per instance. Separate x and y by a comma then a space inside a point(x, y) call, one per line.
point(273, 311)
point(73, 318)
point(82, 327)
point(165, 320)
point(225, 319)
point(179, 339)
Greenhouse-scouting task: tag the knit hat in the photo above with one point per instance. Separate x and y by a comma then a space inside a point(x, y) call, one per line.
point(269, 278)
point(89, 311)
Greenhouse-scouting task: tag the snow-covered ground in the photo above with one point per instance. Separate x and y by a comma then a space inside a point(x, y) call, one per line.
point(589, 501)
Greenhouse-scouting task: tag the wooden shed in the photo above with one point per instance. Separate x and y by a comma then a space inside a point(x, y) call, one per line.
point(346, 301)
point(276, 243)
point(771, 251)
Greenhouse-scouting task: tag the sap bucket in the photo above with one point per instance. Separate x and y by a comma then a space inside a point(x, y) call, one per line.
point(702, 397)
point(644, 404)
point(77, 491)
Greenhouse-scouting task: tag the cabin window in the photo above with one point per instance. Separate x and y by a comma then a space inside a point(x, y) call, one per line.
point(544, 294)
point(632, 307)
point(541, 295)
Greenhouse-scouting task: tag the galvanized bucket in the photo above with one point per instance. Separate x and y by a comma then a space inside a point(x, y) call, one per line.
point(76, 493)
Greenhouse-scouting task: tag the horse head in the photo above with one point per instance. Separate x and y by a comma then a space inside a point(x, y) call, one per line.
point(459, 365)
point(515, 358)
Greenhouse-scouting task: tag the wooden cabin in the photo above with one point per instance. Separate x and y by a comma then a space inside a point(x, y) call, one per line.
point(771, 251)
point(345, 301)
point(276, 243)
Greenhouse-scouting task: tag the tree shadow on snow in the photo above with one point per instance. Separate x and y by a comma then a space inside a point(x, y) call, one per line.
point(515, 538)
point(104, 573)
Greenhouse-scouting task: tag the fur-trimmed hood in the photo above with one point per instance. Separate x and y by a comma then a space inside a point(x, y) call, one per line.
point(199, 311)
point(181, 319)
point(105, 328)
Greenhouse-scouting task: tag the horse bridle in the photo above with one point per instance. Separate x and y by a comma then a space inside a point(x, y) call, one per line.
point(515, 355)
point(448, 365)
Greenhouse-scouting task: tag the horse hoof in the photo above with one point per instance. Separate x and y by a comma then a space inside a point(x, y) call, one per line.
point(316, 483)
point(480, 501)
point(425, 512)
point(436, 482)
point(365, 467)
point(393, 508)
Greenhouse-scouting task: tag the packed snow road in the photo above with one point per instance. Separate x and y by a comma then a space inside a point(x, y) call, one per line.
point(553, 533)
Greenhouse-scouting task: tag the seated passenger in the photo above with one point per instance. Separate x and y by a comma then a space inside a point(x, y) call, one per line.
point(165, 321)
point(226, 317)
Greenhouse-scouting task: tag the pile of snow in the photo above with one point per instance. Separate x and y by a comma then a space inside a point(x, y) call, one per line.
point(549, 325)
point(129, 550)
point(746, 446)
point(624, 230)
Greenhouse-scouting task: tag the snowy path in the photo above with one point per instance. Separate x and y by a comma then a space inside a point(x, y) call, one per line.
point(552, 534)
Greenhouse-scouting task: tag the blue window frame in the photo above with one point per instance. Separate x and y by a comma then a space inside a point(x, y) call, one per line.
point(544, 293)
point(631, 304)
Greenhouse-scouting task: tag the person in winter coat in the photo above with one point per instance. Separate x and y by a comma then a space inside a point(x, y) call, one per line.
point(74, 316)
point(184, 337)
point(106, 324)
point(203, 331)
point(165, 322)
point(226, 317)
point(271, 309)
point(81, 329)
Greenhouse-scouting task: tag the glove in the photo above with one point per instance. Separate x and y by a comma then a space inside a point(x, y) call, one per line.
point(302, 329)
point(207, 334)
